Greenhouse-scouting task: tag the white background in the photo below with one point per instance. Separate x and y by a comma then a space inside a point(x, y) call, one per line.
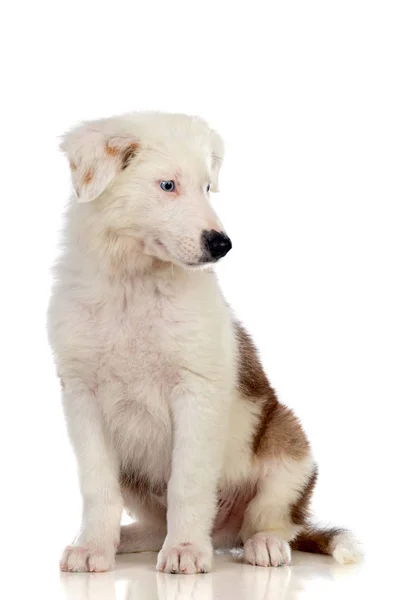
point(307, 97)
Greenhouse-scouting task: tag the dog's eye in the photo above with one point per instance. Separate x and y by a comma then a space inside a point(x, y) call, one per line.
point(167, 186)
point(208, 187)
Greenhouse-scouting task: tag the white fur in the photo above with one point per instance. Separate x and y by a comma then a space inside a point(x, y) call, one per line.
point(267, 550)
point(279, 488)
point(141, 537)
point(239, 457)
point(346, 549)
point(146, 351)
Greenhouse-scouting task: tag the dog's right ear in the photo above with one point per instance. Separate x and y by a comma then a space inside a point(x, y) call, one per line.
point(96, 156)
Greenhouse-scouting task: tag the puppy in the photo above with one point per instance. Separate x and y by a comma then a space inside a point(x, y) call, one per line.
point(168, 409)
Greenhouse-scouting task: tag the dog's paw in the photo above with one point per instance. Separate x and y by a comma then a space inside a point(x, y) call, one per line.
point(185, 558)
point(91, 558)
point(266, 550)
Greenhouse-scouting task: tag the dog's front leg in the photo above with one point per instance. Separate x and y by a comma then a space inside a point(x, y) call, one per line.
point(200, 418)
point(95, 545)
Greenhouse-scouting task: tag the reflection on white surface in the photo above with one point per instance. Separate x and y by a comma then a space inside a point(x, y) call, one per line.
point(135, 578)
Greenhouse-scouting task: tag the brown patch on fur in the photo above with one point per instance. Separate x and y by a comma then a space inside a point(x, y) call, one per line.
point(111, 150)
point(317, 541)
point(278, 431)
point(300, 510)
point(72, 165)
point(268, 408)
point(128, 154)
point(88, 176)
point(252, 380)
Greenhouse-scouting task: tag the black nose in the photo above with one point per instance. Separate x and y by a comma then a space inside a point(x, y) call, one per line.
point(216, 244)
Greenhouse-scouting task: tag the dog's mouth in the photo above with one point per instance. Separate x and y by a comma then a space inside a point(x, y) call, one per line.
point(201, 264)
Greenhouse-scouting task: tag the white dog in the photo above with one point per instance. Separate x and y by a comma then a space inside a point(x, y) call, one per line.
point(168, 409)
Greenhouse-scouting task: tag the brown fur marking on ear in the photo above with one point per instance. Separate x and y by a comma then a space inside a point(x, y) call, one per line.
point(111, 150)
point(72, 165)
point(88, 176)
point(278, 431)
point(300, 510)
point(128, 154)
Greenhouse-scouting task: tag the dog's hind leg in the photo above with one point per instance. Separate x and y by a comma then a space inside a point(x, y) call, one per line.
point(271, 520)
point(141, 537)
point(149, 529)
point(278, 520)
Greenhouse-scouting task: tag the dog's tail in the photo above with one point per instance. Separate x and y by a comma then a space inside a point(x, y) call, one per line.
point(336, 542)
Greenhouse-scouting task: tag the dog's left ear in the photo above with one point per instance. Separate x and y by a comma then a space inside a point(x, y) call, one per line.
point(96, 156)
point(217, 146)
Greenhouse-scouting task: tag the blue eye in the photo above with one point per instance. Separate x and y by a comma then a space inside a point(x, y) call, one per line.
point(208, 187)
point(167, 186)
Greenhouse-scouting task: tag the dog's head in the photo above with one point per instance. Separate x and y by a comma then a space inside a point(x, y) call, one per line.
point(149, 177)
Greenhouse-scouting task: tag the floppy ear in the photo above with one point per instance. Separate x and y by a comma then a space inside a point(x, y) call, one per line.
point(217, 146)
point(96, 157)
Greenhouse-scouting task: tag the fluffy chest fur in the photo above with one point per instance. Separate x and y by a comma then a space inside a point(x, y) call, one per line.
point(137, 371)
point(129, 342)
